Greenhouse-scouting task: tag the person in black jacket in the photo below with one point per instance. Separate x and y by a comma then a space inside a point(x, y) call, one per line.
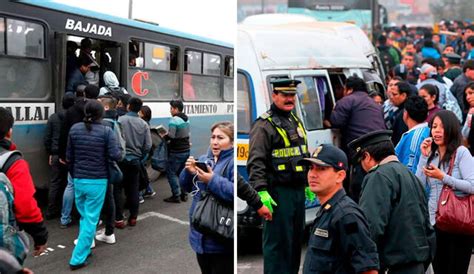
point(250, 195)
point(58, 170)
point(74, 114)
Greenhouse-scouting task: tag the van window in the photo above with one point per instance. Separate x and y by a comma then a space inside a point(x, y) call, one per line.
point(25, 39)
point(312, 94)
point(244, 115)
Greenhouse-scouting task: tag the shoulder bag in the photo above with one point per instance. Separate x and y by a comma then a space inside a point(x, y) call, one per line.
point(455, 214)
point(213, 216)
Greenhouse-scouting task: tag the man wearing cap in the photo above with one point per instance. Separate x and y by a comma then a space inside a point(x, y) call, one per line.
point(428, 74)
point(452, 62)
point(394, 202)
point(277, 142)
point(340, 239)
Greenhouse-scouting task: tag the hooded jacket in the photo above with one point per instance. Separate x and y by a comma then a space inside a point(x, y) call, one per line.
point(111, 84)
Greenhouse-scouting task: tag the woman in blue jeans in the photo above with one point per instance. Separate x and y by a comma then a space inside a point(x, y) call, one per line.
point(90, 145)
point(213, 255)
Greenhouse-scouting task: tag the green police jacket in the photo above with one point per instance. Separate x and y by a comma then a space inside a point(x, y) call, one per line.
point(277, 142)
point(394, 202)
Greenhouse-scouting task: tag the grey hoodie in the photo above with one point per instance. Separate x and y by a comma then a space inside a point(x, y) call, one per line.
point(111, 84)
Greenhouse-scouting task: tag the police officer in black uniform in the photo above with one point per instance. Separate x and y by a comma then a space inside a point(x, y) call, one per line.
point(340, 239)
point(277, 142)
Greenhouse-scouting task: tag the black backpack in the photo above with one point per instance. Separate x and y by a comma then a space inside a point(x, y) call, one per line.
point(387, 60)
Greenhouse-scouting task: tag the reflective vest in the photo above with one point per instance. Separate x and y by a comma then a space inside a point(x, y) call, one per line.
point(284, 159)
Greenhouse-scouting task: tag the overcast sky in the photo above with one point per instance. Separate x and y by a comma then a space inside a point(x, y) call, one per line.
point(214, 19)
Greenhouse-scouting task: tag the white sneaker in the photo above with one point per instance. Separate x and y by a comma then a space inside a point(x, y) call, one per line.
point(92, 245)
point(104, 238)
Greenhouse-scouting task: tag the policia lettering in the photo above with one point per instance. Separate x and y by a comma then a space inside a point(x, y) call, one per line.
point(289, 151)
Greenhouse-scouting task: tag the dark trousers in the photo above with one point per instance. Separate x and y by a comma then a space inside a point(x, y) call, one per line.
point(108, 210)
point(283, 236)
point(56, 186)
point(453, 253)
point(414, 268)
point(216, 263)
point(130, 183)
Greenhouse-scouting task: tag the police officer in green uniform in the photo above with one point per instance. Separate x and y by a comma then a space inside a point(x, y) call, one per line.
point(277, 142)
point(340, 239)
point(393, 200)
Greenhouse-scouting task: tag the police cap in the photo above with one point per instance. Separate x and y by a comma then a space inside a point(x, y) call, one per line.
point(371, 138)
point(327, 155)
point(286, 86)
point(453, 58)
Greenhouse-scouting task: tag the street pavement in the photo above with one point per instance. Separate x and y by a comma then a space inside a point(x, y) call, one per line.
point(158, 244)
point(250, 261)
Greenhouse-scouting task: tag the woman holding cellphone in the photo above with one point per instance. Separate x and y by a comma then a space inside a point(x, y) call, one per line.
point(213, 255)
point(453, 251)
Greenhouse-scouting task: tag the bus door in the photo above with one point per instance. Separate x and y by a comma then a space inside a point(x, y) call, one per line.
point(105, 56)
point(315, 101)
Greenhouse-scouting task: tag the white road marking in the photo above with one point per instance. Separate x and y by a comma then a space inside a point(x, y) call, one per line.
point(50, 249)
point(162, 216)
point(61, 246)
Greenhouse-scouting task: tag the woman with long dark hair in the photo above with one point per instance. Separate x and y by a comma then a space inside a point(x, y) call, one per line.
point(453, 251)
point(213, 255)
point(467, 133)
point(430, 94)
point(90, 145)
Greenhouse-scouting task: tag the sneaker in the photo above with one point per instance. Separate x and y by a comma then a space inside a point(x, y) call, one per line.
point(64, 226)
point(149, 194)
point(92, 245)
point(110, 239)
point(184, 197)
point(76, 267)
point(120, 224)
point(141, 200)
point(132, 221)
point(172, 199)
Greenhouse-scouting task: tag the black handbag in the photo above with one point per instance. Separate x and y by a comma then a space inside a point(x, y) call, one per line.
point(213, 216)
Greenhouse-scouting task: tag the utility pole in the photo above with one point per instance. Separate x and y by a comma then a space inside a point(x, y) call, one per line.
point(374, 12)
point(130, 7)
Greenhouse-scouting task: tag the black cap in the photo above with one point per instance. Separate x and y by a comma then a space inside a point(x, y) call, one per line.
point(287, 86)
point(327, 155)
point(453, 58)
point(370, 138)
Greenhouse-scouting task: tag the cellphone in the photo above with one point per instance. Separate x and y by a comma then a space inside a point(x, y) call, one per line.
point(202, 165)
point(429, 167)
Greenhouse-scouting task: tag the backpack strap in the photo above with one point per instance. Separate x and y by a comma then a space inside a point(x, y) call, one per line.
point(8, 158)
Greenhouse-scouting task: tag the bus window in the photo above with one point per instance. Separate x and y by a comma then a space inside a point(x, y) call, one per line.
point(199, 87)
point(311, 100)
point(211, 64)
point(135, 54)
point(160, 57)
point(160, 79)
point(2, 35)
point(229, 79)
point(193, 63)
point(244, 117)
point(25, 39)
